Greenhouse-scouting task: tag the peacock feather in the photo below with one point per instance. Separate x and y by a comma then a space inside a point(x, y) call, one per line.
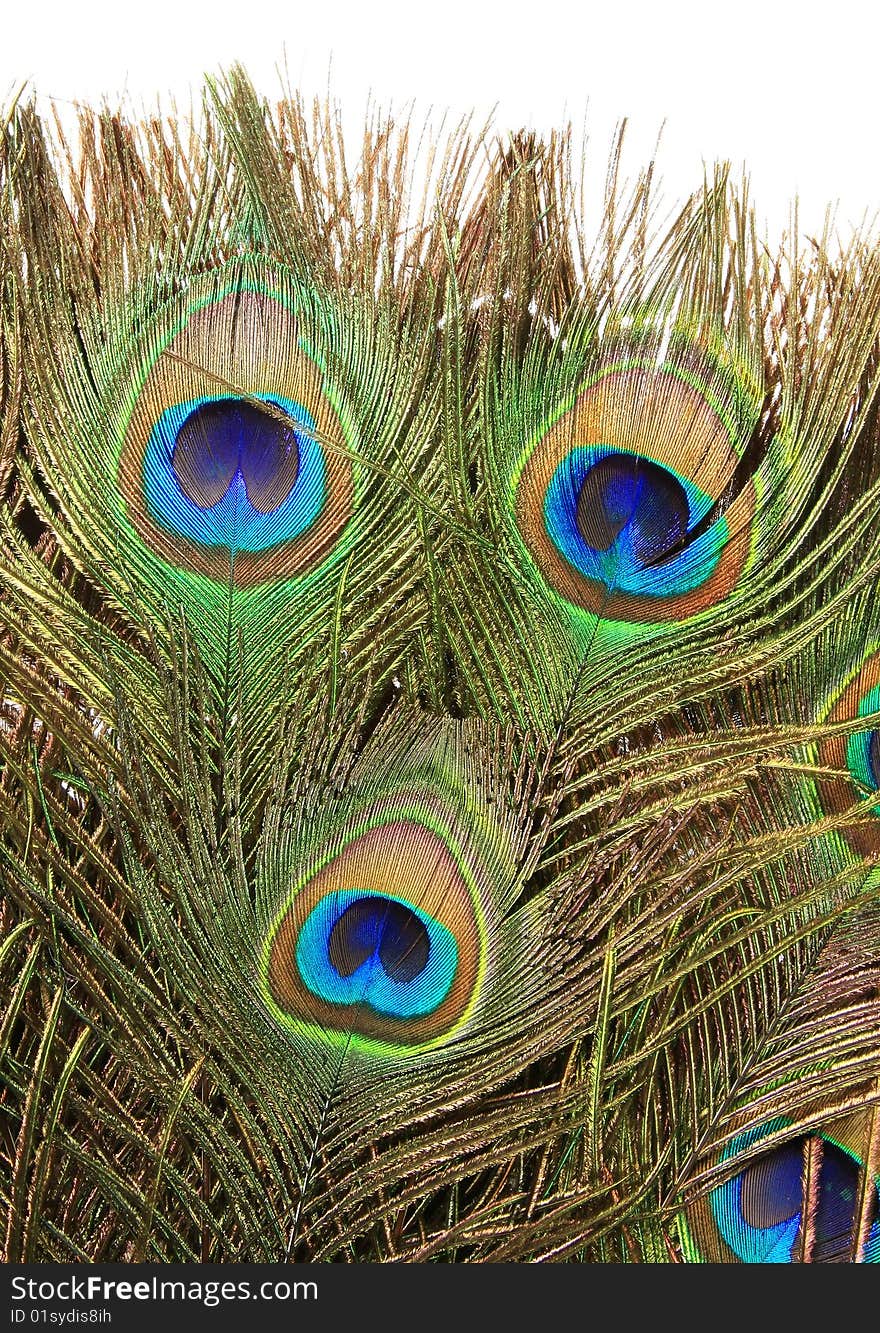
point(440, 669)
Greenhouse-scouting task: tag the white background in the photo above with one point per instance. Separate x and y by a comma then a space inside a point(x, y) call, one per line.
point(791, 91)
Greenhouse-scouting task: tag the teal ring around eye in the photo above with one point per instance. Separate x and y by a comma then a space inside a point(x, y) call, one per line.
point(617, 567)
point(233, 521)
point(370, 984)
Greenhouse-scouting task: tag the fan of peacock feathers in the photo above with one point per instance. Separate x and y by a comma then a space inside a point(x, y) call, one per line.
point(440, 706)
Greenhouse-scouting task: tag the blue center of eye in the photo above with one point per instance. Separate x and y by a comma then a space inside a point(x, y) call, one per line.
point(230, 436)
point(623, 492)
point(837, 1214)
point(383, 928)
point(771, 1188)
point(228, 472)
point(358, 947)
point(625, 521)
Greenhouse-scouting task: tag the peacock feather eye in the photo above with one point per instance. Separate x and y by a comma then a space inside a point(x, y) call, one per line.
point(615, 502)
point(384, 943)
point(796, 1202)
point(234, 461)
point(855, 757)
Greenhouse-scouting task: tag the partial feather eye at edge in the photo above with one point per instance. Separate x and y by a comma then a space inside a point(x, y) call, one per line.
point(797, 1201)
point(857, 755)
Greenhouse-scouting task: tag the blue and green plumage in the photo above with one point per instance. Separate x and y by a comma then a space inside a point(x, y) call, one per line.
point(863, 759)
point(436, 736)
point(378, 950)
